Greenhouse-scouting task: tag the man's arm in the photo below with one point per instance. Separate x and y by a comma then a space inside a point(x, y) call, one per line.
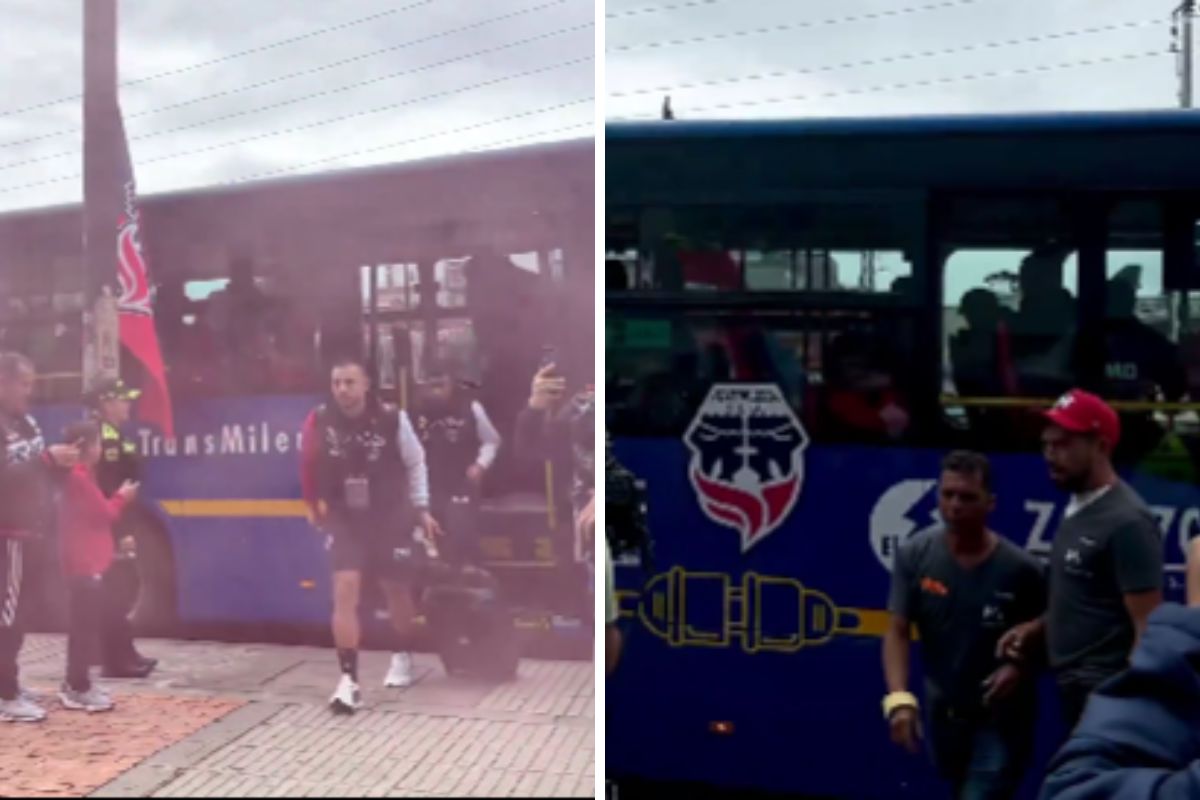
point(896, 643)
point(413, 454)
point(612, 641)
point(1139, 605)
point(1138, 566)
point(489, 437)
point(1193, 572)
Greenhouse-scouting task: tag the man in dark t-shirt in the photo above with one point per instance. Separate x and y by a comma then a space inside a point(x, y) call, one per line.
point(1106, 565)
point(963, 587)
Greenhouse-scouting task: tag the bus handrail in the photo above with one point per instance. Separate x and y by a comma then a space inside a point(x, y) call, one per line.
point(1044, 402)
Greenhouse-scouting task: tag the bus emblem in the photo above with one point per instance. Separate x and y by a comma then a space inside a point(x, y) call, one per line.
point(747, 464)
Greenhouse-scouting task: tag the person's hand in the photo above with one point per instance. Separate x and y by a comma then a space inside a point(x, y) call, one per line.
point(1001, 683)
point(64, 455)
point(430, 525)
point(895, 420)
point(316, 516)
point(587, 520)
point(547, 389)
point(1018, 641)
point(905, 726)
point(128, 490)
point(475, 474)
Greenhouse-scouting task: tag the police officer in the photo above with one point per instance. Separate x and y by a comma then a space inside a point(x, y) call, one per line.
point(460, 447)
point(111, 403)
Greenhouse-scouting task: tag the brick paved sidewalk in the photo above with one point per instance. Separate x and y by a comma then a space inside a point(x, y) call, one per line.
point(250, 720)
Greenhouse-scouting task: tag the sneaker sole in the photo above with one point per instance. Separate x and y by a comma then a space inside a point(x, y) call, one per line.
point(21, 720)
point(73, 706)
point(340, 707)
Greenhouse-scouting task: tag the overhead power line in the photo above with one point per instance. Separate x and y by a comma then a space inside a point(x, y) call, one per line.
point(426, 137)
point(817, 23)
point(910, 84)
point(328, 121)
point(291, 101)
point(392, 48)
point(912, 56)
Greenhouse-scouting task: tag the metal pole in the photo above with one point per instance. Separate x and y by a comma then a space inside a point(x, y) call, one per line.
point(1183, 32)
point(1189, 11)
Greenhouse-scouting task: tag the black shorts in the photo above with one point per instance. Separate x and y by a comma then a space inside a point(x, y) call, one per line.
point(379, 552)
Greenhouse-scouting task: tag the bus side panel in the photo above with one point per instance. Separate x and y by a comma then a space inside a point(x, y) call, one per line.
point(782, 641)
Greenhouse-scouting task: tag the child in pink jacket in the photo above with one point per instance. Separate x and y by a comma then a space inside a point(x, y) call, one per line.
point(85, 535)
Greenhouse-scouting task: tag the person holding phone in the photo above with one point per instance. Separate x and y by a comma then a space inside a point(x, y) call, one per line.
point(27, 471)
point(86, 521)
point(962, 587)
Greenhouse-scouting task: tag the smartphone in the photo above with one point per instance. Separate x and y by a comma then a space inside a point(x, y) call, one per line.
point(549, 356)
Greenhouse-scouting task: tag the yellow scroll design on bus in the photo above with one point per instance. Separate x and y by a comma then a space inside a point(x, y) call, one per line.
point(761, 613)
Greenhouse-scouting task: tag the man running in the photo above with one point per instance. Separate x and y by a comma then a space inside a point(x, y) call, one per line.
point(358, 454)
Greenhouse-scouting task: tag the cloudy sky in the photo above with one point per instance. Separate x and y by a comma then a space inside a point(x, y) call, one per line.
point(426, 59)
point(854, 57)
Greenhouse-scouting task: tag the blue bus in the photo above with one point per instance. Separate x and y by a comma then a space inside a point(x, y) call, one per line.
point(801, 318)
point(481, 260)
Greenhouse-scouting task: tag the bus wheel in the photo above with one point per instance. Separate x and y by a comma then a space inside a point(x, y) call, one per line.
point(156, 610)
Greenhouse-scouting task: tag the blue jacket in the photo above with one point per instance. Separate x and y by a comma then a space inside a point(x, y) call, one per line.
point(1139, 738)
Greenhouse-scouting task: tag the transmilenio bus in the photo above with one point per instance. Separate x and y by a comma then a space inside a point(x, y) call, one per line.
point(802, 317)
point(483, 260)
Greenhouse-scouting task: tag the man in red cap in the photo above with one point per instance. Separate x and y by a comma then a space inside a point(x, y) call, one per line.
point(1106, 564)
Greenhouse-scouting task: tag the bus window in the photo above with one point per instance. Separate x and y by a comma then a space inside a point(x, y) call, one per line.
point(839, 246)
point(41, 305)
point(1150, 352)
point(1010, 278)
point(841, 372)
point(250, 331)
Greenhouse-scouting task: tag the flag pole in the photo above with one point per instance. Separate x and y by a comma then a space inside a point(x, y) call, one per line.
point(101, 206)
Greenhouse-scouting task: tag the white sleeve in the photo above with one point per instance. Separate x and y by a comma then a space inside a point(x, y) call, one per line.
point(413, 453)
point(489, 437)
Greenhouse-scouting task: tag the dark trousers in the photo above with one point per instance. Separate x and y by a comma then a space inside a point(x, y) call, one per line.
point(1072, 700)
point(457, 514)
point(11, 627)
point(982, 757)
point(117, 596)
point(86, 611)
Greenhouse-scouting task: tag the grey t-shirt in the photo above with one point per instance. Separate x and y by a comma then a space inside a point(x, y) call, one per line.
point(1107, 549)
point(961, 613)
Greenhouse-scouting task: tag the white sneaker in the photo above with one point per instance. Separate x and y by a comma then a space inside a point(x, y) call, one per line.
point(21, 710)
point(400, 673)
point(93, 701)
point(346, 698)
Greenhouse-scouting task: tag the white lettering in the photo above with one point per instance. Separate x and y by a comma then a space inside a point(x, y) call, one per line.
point(232, 439)
point(282, 442)
point(190, 445)
point(170, 446)
point(265, 432)
point(1165, 515)
point(144, 435)
point(1045, 512)
point(210, 444)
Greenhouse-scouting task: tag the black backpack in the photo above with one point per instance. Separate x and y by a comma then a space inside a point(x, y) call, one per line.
point(473, 628)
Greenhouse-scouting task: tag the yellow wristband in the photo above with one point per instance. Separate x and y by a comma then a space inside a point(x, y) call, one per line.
point(897, 700)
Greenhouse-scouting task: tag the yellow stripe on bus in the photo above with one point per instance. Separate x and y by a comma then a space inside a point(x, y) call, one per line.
point(234, 508)
point(1048, 402)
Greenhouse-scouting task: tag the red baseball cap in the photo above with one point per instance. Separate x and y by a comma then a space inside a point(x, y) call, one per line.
point(1083, 412)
